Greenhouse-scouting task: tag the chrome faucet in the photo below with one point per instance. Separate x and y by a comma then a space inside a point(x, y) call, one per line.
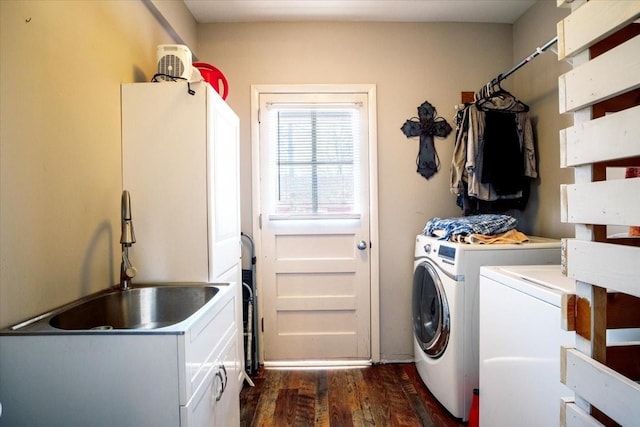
point(127, 238)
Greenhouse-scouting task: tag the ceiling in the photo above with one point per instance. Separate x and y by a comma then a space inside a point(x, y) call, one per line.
point(487, 11)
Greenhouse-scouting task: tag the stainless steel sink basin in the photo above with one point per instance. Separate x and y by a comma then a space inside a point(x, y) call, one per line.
point(135, 308)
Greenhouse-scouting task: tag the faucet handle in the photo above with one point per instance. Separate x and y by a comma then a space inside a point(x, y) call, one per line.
point(130, 272)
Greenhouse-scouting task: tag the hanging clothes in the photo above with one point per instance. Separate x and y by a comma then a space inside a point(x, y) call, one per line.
point(485, 167)
point(494, 154)
point(502, 154)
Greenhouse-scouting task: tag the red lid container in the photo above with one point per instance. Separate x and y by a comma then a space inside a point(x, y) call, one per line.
point(214, 77)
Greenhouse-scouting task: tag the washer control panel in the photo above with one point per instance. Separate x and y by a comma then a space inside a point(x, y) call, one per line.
point(447, 252)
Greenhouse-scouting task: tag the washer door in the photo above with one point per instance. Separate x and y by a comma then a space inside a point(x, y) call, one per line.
point(431, 322)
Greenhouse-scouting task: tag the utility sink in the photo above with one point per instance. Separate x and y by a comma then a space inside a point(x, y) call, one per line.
point(175, 344)
point(136, 308)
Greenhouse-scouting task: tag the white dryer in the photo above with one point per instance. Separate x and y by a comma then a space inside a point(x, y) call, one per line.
point(445, 306)
point(520, 340)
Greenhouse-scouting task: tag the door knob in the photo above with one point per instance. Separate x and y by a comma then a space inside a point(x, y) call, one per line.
point(362, 245)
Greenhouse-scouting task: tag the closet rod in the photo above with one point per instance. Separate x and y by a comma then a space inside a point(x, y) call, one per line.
point(525, 61)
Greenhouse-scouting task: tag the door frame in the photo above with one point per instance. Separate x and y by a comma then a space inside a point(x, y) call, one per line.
point(370, 91)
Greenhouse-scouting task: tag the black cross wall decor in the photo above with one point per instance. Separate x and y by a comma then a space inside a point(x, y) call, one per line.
point(426, 126)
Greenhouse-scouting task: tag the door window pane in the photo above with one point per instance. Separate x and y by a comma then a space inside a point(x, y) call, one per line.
point(317, 160)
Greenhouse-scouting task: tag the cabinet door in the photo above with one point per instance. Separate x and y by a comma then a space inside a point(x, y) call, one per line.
point(217, 401)
point(227, 407)
point(234, 275)
point(200, 411)
point(224, 180)
point(205, 340)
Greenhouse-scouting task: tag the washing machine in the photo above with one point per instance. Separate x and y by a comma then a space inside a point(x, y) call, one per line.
point(445, 307)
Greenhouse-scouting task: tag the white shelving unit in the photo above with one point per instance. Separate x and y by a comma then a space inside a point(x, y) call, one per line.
point(606, 68)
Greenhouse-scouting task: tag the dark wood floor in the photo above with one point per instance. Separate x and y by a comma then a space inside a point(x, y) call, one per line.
point(379, 395)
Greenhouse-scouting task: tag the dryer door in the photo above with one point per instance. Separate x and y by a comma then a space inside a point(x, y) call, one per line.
point(431, 322)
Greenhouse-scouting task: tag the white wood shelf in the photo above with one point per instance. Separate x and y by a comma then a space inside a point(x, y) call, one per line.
point(607, 270)
point(608, 75)
point(587, 142)
point(592, 22)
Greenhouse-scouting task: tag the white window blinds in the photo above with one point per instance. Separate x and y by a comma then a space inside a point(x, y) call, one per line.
point(316, 159)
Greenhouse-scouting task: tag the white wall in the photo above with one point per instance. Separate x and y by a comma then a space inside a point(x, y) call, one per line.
point(61, 67)
point(537, 85)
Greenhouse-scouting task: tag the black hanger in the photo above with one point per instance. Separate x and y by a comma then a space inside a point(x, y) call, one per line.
point(492, 97)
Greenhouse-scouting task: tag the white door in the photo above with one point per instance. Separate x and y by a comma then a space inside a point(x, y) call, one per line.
point(315, 238)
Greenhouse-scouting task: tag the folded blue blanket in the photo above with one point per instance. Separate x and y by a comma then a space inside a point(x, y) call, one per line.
point(487, 224)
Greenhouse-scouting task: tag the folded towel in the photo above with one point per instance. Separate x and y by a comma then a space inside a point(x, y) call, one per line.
point(486, 224)
point(511, 236)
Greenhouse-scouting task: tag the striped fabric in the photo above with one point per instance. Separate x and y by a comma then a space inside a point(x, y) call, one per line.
point(486, 224)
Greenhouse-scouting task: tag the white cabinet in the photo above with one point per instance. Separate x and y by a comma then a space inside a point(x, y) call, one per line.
point(214, 404)
point(180, 162)
point(177, 376)
point(215, 400)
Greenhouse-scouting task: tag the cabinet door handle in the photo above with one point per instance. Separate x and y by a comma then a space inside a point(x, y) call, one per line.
point(218, 391)
point(226, 378)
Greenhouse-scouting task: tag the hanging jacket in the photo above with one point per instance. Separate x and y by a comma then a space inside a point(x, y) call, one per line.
point(469, 161)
